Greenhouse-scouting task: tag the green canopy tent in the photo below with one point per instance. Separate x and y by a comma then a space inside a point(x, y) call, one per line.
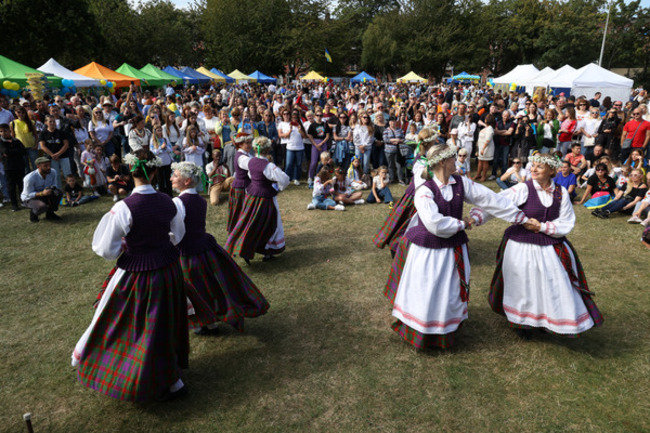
point(15, 72)
point(146, 80)
point(159, 73)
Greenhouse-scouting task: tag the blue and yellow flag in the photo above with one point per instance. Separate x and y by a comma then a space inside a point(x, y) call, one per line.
point(327, 56)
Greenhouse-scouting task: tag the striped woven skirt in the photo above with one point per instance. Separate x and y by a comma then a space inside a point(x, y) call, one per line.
point(259, 229)
point(429, 294)
point(236, 200)
point(395, 225)
point(218, 281)
point(138, 340)
point(556, 296)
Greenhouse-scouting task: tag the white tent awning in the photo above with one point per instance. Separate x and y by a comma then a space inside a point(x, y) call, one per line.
point(55, 68)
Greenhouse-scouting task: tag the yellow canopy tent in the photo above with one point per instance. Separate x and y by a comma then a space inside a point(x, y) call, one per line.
point(240, 76)
point(312, 76)
point(207, 72)
point(411, 77)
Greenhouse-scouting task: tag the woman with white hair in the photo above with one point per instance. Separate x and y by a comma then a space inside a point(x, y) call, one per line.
point(539, 281)
point(429, 281)
point(259, 228)
point(219, 291)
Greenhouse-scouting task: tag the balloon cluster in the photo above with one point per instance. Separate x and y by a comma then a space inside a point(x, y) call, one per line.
point(110, 85)
point(513, 87)
point(10, 88)
point(68, 86)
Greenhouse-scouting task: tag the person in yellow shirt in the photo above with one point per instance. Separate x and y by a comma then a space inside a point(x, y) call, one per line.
point(23, 129)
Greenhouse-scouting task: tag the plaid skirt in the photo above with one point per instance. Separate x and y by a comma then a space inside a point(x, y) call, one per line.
point(578, 280)
point(257, 224)
point(218, 281)
point(395, 225)
point(235, 203)
point(138, 341)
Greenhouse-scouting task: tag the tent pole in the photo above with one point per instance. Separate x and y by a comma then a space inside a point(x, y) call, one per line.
point(602, 47)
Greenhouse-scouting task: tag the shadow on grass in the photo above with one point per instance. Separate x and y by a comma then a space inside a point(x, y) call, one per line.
point(287, 345)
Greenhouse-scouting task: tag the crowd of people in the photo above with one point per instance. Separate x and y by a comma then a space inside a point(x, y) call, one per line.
point(345, 146)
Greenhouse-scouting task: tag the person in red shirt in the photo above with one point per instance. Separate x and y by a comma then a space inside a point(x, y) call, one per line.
point(576, 159)
point(638, 130)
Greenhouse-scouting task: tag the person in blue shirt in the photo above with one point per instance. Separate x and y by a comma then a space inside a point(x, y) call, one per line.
point(567, 179)
point(40, 193)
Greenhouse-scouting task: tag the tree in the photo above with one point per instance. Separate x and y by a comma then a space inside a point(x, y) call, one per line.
point(380, 47)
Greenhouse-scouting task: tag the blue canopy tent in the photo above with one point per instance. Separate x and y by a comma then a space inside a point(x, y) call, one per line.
point(263, 79)
point(203, 79)
point(221, 74)
point(361, 77)
point(186, 78)
point(463, 77)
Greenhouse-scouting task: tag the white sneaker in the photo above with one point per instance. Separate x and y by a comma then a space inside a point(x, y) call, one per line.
point(360, 201)
point(491, 177)
point(296, 182)
point(634, 219)
point(116, 198)
point(339, 207)
point(341, 203)
point(311, 206)
point(645, 222)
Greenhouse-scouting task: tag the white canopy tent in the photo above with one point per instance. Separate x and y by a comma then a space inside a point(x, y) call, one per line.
point(563, 78)
point(520, 74)
point(538, 80)
point(592, 78)
point(55, 68)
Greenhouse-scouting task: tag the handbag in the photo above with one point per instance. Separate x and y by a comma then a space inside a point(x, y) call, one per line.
point(589, 141)
point(627, 143)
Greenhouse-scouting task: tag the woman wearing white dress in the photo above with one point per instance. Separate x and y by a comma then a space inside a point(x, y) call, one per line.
point(539, 281)
point(429, 280)
point(485, 148)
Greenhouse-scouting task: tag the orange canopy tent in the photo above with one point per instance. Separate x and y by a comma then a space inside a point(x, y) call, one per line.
point(95, 70)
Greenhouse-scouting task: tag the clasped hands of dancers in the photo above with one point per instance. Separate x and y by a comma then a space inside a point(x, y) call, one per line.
point(538, 282)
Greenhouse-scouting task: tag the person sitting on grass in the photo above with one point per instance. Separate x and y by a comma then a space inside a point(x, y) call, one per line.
point(599, 182)
point(322, 192)
point(565, 178)
point(325, 161)
point(576, 159)
point(462, 163)
point(343, 191)
point(625, 201)
point(642, 208)
point(40, 193)
point(119, 178)
point(74, 192)
point(358, 179)
point(514, 175)
point(380, 190)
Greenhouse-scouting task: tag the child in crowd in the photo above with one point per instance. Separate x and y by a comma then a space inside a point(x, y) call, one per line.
point(119, 178)
point(412, 134)
point(380, 190)
point(219, 177)
point(343, 191)
point(325, 161)
point(576, 159)
point(462, 163)
point(74, 192)
point(358, 179)
point(322, 193)
point(95, 165)
point(621, 179)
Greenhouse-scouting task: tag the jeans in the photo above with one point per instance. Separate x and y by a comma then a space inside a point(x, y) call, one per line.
point(500, 159)
point(322, 203)
point(32, 154)
point(394, 165)
point(14, 182)
point(364, 157)
point(505, 184)
point(377, 156)
point(617, 205)
point(62, 166)
point(384, 194)
point(564, 147)
point(293, 166)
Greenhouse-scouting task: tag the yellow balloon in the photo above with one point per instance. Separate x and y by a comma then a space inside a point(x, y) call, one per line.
point(16, 86)
point(173, 83)
point(513, 86)
point(7, 84)
point(102, 82)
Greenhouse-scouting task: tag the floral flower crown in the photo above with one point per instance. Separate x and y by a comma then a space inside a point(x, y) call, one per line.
point(133, 160)
point(449, 153)
point(240, 138)
point(187, 169)
point(551, 161)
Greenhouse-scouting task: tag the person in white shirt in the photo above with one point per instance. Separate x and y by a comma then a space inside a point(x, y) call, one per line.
point(514, 175)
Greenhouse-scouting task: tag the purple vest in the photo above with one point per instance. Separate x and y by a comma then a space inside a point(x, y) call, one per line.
point(196, 240)
point(260, 186)
point(241, 176)
point(419, 234)
point(533, 208)
point(147, 245)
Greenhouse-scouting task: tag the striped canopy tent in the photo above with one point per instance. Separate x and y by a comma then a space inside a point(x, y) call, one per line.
point(411, 77)
point(15, 72)
point(145, 79)
point(240, 76)
point(95, 70)
point(225, 77)
point(157, 72)
point(313, 76)
point(216, 78)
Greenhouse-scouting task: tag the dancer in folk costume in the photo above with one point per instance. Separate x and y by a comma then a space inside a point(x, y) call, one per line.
point(395, 225)
point(137, 341)
point(219, 291)
point(244, 142)
point(260, 229)
point(539, 281)
point(429, 281)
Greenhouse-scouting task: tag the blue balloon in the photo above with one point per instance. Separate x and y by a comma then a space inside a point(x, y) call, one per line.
point(4, 92)
point(64, 82)
point(65, 90)
point(13, 94)
point(109, 84)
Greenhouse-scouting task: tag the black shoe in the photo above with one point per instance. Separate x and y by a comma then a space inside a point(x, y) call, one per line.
point(524, 334)
point(33, 217)
point(207, 331)
point(52, 216)
point(595, 212)
point(167, 395)
point(248, 262)
point(15, 208)
point(268, 258)
point(603, 215)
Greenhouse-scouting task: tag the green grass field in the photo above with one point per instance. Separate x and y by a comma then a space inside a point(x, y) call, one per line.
point(324, 359)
